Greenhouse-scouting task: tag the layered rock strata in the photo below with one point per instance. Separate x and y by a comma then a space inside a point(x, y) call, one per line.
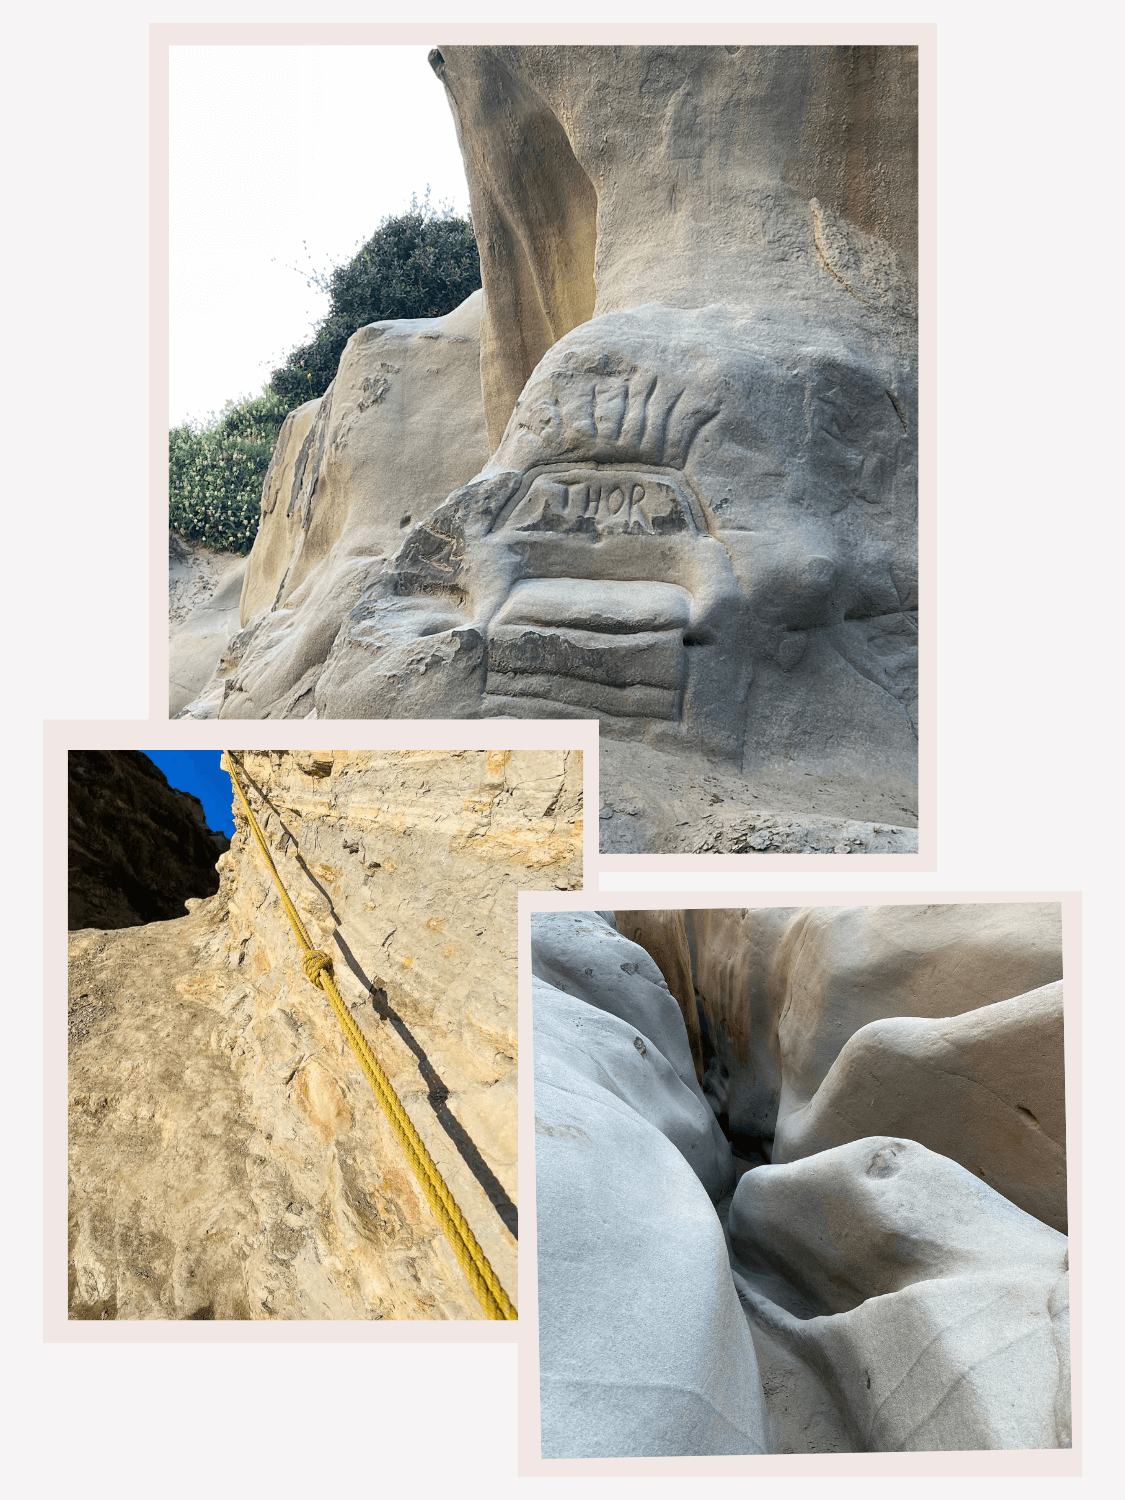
point(662, 470)
point(227, 1156)
point(895, 1141)
point(137, 848)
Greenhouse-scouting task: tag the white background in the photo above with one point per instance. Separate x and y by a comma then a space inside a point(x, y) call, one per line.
point(1029, 740)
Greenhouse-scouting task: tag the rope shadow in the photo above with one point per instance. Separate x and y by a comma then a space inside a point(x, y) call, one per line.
point(438, 1096)
point(436, 1091)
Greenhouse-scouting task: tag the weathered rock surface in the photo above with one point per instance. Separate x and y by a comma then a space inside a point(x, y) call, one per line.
point(846, 967)
point(604, 178)
point(642, 1347)
point(694, 364)
point(732, 1015)
point(906, 1081)
point(204, 590)
point(400, 426)
point(228, 1157)
point(650, 800)
point(779, 992)
point(137, 847)
point(590, 963)
point(194, 572)
point(621, 556)
point(663, 937)
point(935, 1311)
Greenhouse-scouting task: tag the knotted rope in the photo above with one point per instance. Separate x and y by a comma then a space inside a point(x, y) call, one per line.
point(318, 970)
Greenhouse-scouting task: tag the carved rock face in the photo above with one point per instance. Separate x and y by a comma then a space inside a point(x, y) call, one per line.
point(694, 363)
point(679, 499)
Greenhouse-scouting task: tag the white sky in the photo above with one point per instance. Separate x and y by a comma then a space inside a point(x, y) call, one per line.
point(282, 156)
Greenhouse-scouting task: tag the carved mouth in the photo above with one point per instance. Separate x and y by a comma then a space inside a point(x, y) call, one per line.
point(607, 645)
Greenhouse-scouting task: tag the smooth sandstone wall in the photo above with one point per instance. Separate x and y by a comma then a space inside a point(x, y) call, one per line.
point(602, 178)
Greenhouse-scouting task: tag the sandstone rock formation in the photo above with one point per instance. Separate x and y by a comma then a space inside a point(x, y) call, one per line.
point(227, 1155)
point(643, 1349)
point(204, 587)
point(662, 471)
point(792, 1013)
point(985, 1089)
point(892, 1089)
point(934, 1311)
point(137, 847)
point(635, 994)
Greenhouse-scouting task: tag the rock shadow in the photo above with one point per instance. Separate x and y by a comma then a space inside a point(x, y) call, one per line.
point(436, 1091)
point(439, 1101)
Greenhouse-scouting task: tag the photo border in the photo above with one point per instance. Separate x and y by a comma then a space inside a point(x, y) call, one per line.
point(163, 35)
point(61, 736)
point(1031, 1463)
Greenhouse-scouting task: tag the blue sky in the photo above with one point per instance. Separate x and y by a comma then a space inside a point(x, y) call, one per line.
point(199, 772)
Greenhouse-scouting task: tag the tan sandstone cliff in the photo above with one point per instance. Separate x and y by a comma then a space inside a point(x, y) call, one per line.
point(227, 1155)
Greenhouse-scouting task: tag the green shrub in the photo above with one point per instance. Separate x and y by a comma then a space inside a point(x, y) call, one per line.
point(421, 264)
point(215, 472)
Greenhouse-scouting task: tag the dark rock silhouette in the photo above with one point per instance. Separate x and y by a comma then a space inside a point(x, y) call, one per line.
point(138, 848)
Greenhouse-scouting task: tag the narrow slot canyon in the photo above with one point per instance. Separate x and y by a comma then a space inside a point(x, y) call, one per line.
point(801, 1180)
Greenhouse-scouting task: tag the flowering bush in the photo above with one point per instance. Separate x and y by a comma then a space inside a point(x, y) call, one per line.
point(215, 472)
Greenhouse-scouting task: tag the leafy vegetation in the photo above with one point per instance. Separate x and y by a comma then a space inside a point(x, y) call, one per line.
point(215, 472)
point(421, 264)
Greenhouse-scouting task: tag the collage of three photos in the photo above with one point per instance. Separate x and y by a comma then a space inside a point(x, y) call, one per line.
point(576, 539)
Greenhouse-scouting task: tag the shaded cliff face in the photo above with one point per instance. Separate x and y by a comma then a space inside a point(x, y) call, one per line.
point(138, 848)
point(227, 1156)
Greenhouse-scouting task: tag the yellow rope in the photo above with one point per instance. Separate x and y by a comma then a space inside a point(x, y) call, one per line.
point(318, 970)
